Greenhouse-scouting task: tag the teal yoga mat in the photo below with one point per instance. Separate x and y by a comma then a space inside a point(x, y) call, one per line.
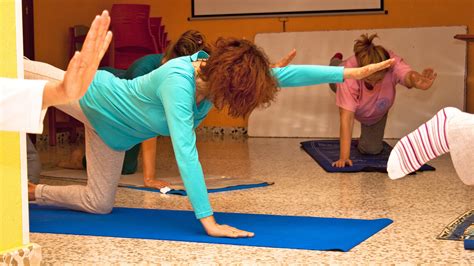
point(294, 232)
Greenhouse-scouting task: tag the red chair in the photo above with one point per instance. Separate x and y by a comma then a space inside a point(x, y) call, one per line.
point(77, 35)
point(54, 125)
point(164, 40)
point(155, 27)
point(132, 35)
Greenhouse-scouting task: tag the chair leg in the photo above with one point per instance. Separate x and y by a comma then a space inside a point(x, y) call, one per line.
point(52, 126)
point(32, 138)
point(72, 132)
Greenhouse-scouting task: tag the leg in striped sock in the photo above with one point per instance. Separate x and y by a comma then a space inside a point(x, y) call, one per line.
point(460, 133)
point(422, 145)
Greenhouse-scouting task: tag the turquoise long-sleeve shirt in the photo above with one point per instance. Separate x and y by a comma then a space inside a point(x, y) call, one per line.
point(163, 102)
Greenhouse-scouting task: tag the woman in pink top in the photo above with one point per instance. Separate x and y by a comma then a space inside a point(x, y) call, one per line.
point(370, 99)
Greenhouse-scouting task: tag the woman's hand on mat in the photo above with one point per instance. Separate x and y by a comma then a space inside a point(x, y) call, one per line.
point(83, 65)
point(285, 60)
point(342, 163)
point(365, 71)
point(155, 183)
point(222, 230)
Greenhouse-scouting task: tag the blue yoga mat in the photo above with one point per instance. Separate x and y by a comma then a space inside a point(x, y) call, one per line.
point(295, 232)
point(325, 152)
point(181, 192)
point(469, 243)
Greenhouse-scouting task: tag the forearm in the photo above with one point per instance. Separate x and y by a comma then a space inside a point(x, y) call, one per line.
point(193, 180)
point(307, 75)
point(410, 79)
point(15, 96)
point(346, 126)
point(208, 222)
point(365, 71)
point(350, 73)
point(192, 175)
point(149, 158)
point(53, 94)
point(345, 147)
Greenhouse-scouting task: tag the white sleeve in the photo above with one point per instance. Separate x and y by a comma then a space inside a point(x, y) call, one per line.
point(21, 105)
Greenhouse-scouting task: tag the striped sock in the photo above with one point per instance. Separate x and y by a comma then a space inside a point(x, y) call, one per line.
point(422, 145)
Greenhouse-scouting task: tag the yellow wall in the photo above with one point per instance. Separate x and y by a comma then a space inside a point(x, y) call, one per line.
point(53, 17)
point(11, 234)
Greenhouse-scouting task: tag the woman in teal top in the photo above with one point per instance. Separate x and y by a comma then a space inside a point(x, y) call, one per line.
point(171, 101)
point(188, 43)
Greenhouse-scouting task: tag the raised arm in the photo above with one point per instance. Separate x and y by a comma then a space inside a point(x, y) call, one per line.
point(82, 67)
point(306, 75)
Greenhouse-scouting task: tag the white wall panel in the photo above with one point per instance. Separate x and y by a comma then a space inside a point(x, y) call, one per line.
point(312, 112)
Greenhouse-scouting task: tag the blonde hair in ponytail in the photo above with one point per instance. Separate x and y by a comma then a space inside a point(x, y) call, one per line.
point(368, 53)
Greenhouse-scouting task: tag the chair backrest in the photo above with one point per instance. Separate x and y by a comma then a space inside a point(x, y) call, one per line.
point(155, 27)
point(132, 36)
point(77, 35)
point(164, 40)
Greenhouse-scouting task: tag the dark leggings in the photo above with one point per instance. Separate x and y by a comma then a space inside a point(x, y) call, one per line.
point(371, 137)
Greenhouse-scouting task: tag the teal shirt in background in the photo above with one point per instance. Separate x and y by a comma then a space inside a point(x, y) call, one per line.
point(139, 67)
point(163, 102)
point(143, 66)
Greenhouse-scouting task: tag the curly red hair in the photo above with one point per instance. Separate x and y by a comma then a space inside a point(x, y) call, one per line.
point(238, 76)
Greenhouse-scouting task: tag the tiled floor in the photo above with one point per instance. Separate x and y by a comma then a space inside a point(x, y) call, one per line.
point(420, 206)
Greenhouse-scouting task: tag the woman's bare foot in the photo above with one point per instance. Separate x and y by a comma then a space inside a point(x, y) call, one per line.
point(31, 191)
point(75, 161)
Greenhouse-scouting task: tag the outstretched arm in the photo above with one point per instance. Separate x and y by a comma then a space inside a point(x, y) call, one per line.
point(82, 67)
point(307, 75)
point(39, 94)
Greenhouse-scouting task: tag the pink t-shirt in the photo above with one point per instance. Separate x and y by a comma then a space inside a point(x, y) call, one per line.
point(369, 106)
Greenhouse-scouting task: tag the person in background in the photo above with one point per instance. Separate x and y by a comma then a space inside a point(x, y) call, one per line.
point(370, 99)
